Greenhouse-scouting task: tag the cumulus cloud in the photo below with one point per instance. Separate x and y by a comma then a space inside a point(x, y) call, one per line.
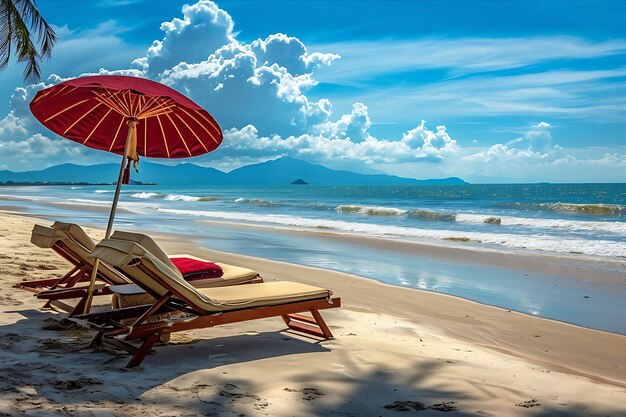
point(535, 145)
point(539, 138)
point(203, 29)
point(430, 145)
point(353, 126)
point(333, 144)
point(262, 83)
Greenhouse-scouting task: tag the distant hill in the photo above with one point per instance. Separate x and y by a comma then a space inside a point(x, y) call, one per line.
point(280, 171)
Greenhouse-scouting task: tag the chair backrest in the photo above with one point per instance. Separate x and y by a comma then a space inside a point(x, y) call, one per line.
point(77, 242)
point(127, 255)
point(147, 243)
point(76, 233)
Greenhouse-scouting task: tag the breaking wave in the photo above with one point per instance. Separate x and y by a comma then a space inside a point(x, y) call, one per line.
point(174, 197)
point(611, 227)
point(147, 195)
point(591, 209)
point(257, 202)
point(534, 242)
point(419, 214)
point(371, 211)
point(432, 215)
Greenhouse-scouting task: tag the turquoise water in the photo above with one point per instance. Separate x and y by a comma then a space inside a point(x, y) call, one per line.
point(586, 221)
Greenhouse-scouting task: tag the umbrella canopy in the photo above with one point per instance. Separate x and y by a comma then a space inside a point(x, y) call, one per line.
point(129, 116)
point(94, 111)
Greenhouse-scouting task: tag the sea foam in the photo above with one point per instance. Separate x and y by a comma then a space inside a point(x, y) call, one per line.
point(535, 242)
point(611, 227)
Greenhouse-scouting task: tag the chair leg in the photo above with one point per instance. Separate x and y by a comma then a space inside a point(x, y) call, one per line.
point(79, 308)
point(321, 323)
point(314, 325)
point(97, 340)
point(143, 350)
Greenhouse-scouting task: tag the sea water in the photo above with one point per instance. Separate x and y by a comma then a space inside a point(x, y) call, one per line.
point(580, 221)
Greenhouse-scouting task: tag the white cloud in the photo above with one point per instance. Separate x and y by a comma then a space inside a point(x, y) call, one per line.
point(203, 29)
point(289, 53)
point(332, 145)
point(240, 88)
point(430, 145)
point(536, 145)
point(353, 126)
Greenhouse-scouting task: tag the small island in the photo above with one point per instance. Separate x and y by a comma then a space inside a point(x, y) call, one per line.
point(299, 181)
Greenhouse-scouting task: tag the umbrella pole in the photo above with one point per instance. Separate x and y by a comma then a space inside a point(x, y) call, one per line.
point(94, 273)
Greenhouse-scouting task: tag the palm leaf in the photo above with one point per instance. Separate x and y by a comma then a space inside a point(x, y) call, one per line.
point(16, 17)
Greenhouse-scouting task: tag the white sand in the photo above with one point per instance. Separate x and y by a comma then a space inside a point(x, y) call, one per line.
point(392, 344)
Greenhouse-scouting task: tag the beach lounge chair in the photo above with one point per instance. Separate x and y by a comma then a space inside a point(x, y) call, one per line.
point(201, 308)
point(72, 243)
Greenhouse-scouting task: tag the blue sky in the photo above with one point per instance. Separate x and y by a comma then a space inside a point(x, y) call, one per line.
point(491, 91)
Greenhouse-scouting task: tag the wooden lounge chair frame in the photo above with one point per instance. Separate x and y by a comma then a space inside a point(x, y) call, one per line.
point(54, 290)
point(111, 331)
point(81, 272)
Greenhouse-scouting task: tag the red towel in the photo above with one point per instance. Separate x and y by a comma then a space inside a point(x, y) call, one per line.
point(194, 270)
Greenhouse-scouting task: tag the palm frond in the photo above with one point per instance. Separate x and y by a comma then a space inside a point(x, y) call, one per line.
point(16, 17)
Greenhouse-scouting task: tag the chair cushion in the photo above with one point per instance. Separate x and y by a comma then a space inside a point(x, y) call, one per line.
point(194, 269)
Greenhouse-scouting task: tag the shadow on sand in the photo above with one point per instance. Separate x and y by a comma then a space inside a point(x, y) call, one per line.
point(54, 372)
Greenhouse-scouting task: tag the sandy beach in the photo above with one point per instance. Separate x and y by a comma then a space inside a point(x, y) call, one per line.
point(394, 349)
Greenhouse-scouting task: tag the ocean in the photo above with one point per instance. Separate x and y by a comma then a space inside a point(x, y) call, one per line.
point(313, 225)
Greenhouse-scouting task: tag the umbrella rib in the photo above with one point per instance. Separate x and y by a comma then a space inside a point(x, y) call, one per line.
point(141, 100)
point(132, 104)
point(167, 149)
point(116, 133)
point(201, 125)
point(211, 122)
point(81, 118)
point(63, 92)
point(146, 107)
point(192, 131)
point(66, 109)
point(98, 124)
point(160, 108)
point(121, 99)
point(112, 104)
point(47, 93)
point(179, 134)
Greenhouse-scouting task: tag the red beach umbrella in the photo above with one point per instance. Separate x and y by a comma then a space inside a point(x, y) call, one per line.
point(129, 116)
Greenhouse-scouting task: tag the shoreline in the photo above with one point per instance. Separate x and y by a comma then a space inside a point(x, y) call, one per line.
point(463, 260)
point(458, 252)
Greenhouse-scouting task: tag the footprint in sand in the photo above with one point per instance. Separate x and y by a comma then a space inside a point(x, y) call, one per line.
point(73, 384)
point(45, 267)
point(406, 406)
point(63, 325)
point(528, 404)
point(9, 301)
point(418, 406)
point(309, 394)
point(12, 342)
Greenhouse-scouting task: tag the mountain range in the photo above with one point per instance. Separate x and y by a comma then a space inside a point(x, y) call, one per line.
point(280, 171)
